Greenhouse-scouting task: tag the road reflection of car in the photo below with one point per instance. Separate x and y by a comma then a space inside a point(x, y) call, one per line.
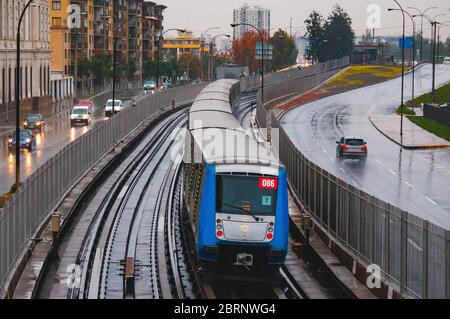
point(27, 141)
point(80, 115)
point(118, 105)
point(34, 122)
point(351, 148)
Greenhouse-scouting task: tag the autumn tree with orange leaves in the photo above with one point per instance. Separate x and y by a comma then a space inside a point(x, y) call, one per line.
point(244, 50)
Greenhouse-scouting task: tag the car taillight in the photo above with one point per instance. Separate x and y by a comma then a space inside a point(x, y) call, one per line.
point(344, 147)
point(364, 148)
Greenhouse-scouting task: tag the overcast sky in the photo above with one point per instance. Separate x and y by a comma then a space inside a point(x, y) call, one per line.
point(198, 15)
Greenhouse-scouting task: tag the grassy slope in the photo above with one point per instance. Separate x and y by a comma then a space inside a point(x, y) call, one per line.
point(361, 75)
point(434, 127)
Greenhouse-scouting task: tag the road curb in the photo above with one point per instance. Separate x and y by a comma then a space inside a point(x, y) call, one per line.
point(409, 147)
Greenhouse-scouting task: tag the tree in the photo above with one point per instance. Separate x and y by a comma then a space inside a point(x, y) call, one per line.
point(244, 50)
point(149, 69)
point(315, 34)
point(284, 50)
point(190, 64)
point(338, 35)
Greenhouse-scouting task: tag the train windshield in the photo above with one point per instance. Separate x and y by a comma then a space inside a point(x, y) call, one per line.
point(240, 195)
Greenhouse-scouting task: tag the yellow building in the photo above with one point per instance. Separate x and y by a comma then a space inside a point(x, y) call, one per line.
point(185, 43)
point(60, 40)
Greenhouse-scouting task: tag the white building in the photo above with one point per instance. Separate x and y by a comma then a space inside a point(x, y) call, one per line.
point(257, 16)
point(35, 52)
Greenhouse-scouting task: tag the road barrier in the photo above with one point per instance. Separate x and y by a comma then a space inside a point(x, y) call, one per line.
point(439, 114)
point(30, 207)
point(412, 255)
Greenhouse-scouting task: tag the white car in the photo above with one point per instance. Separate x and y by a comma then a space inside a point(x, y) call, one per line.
point(118, 106)
point(447, 60)
point(80, 115)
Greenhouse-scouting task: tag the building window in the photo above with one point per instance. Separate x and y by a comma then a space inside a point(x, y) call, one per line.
point(56, 22)
point(56, 5)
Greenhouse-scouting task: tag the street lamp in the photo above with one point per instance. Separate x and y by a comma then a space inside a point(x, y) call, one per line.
point(234, 25)
point(403, 70)
point(18, 94)
point(414, 52)
point(211, 55)
point(421, 15)
point(82, 15)
point(434, 24)
point(442, 25)
point(202, 40)
point(158, 55)
point(115, 36)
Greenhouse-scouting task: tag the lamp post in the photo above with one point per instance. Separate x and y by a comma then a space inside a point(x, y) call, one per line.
point(421, 15)
point(82, 15)
point(414, 52)
point(202, 40)
point(115, 35)
point(158, 55)
point(234, 25)
point(17, 93)
point(403, 71)
point(442, 25)
point(211, 55)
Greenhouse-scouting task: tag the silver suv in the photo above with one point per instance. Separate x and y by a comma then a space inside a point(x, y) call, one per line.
point(351, 148)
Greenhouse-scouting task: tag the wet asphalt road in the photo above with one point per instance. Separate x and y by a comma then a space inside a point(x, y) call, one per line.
point(56, 135)
point(417, 181)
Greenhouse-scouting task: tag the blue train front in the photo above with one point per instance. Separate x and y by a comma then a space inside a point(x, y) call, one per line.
point(235, 190)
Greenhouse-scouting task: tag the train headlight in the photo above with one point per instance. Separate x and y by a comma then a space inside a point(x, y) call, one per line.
point(219, 233)
point(270, 229)
point(219, 227)
point(269, 236)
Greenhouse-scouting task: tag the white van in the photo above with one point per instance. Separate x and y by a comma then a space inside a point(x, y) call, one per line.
point(118, 105)
point(80, 114)
point(447, 60)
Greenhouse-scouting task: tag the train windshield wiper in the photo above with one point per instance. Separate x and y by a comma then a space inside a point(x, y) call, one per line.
point(243, 210)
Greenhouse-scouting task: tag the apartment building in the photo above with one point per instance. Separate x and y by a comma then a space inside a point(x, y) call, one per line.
point(254, 15)
point(35, 61)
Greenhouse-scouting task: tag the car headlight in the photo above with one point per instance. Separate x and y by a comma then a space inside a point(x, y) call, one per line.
point(38, 123)
point(25, 123)
point(28, 140)
point(10, 140)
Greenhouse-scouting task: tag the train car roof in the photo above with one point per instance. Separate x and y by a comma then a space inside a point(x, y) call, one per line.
point(213, 119)
point(211, 105)
point(228, 146)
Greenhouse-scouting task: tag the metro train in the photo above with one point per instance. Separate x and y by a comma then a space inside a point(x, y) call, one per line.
point(234, 189)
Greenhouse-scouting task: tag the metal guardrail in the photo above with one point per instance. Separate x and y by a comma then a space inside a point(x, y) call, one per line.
point(413, 255)
point(32, 204)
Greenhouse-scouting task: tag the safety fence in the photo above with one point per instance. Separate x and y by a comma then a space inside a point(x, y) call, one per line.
point(32, 204)
point(411, 254)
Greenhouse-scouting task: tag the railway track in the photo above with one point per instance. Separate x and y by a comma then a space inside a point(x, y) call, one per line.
point(136, 244)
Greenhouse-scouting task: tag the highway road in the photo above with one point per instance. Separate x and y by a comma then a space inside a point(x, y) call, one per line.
point(417, 181)
point(56, 135)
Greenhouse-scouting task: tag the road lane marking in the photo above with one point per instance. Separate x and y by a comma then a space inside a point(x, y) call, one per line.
point(430, 200)
point(392, 172)
point(378, 161)
point(343, 170)
point(409, 185)
point(414, 244)
point(324, 151)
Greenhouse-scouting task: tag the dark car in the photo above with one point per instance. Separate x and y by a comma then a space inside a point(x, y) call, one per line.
point(351, 148)
point(34, 122)
point(27, 141)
